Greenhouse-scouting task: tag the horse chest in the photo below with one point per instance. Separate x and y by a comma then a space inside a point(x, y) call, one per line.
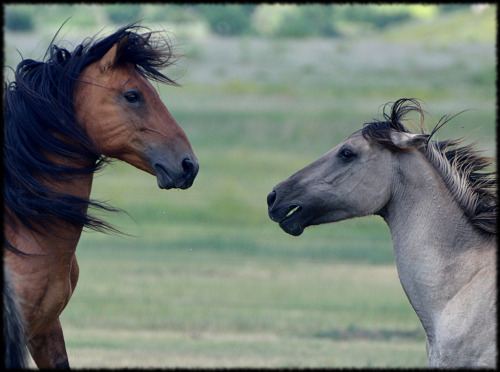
point(45, 287)
point(50, 305)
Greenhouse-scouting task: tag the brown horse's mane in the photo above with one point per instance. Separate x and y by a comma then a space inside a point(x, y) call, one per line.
point(460, 166)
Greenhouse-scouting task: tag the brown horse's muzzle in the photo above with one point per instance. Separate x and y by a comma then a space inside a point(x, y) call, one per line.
point(180, 177)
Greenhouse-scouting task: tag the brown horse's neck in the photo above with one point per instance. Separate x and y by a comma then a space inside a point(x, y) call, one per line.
point(63, 236)
point(433, 240)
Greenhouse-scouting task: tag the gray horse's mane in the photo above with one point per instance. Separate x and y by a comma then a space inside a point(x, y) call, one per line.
point(461, 166)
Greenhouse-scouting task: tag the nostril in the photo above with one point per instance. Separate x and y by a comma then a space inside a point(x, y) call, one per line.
point(190, 170)
point(187, 166)
point(271, 198)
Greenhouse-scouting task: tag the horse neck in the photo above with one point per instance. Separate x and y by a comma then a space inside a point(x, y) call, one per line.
point(437, 250)
point(63, 236)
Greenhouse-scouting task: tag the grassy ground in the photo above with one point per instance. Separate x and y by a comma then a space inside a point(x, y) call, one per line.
point(206, 279)
point(178, 306)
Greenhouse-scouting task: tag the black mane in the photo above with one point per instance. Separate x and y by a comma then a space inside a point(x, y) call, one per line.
point(39, 123)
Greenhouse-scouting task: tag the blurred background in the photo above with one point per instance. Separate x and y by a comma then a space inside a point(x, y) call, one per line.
point(206, 279)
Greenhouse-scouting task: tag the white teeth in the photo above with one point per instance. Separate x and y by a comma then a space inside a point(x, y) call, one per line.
point(292, 211)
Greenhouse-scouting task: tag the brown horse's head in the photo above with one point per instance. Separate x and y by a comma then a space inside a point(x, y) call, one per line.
point(125, 118)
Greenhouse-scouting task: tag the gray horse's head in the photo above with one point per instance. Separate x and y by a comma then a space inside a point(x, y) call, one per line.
point(351, 180)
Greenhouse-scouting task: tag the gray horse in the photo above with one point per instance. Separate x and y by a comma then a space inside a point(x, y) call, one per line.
point(440, 206)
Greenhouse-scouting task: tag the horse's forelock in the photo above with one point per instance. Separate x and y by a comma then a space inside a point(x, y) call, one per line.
point(380, 130)
point(149, 52)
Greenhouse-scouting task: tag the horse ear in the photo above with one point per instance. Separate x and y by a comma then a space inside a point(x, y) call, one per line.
point(108, 61)
point(402, 139)
point(121, 47)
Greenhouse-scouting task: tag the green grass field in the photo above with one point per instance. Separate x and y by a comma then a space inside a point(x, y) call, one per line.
point(206, 279)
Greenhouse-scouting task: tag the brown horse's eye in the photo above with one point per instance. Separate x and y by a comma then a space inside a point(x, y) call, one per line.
point(132, 96)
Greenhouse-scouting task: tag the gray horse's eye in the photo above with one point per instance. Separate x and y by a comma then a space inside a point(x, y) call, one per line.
point(346, 154)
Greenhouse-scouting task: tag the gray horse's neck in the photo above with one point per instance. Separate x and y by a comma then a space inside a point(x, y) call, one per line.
point(437, 250)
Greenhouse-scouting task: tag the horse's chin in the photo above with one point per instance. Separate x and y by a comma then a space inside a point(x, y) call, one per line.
point(292, 228)
point(163, 179)
point(294, 224)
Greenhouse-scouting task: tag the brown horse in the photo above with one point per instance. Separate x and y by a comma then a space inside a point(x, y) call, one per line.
point(63, 118)
point(441, 209)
